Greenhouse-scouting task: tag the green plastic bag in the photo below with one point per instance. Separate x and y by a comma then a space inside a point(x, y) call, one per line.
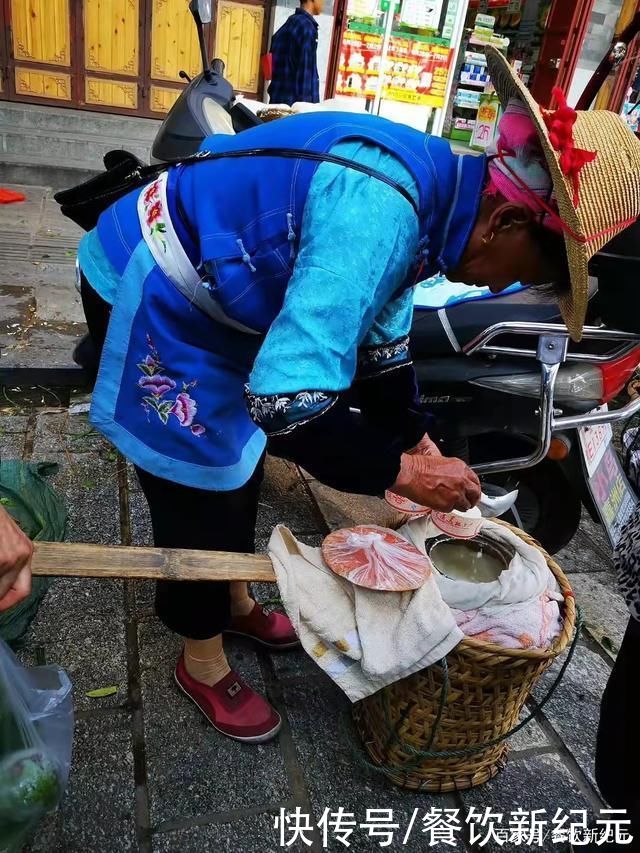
point(41, 514)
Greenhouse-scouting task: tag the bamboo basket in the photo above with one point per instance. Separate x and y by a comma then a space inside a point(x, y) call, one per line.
point(427, 731)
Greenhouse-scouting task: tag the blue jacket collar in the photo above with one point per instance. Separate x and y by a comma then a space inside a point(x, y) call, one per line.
point(463, 210)
point(301, 11)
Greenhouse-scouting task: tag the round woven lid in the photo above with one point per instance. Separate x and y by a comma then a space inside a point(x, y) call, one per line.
point(609, 196)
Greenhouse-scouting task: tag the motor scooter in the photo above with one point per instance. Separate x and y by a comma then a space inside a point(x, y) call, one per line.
point(523, 405)
point(207, 106)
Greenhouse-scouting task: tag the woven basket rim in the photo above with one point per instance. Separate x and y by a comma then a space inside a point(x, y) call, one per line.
point(482, 649)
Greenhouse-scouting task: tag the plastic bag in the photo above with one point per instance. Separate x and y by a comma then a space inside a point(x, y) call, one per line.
point(36, 736)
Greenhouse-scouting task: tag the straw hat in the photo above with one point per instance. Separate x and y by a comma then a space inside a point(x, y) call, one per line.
point(598, 203)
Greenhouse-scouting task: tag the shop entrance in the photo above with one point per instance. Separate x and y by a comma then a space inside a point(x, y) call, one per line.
point(564, 32)
point(428, 68)
point(394, 57)
point(541, 38)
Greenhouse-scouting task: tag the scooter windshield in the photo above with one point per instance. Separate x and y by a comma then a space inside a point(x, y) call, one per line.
point(217, 118)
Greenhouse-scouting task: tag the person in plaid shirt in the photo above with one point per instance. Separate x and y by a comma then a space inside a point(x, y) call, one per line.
point(294, 50)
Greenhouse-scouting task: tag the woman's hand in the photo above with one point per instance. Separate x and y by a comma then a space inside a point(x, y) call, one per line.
point(425, 447)
point(16, 551)
point(439, 482)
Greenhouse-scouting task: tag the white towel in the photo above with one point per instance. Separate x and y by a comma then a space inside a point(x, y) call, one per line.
point(363, 639)
point(526, 578)
point(519, 610)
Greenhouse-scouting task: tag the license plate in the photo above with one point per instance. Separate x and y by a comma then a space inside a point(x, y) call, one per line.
point(595, 440)
point(612, 495)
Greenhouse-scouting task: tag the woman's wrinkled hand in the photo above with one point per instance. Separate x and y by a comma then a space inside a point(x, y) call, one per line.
point(439, 482)
point(16, 551)
point(425, 447)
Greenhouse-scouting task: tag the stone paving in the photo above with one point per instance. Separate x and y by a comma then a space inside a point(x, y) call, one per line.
point(149, 774)
point(40, 310)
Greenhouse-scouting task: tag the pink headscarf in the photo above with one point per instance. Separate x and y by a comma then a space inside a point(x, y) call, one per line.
point(517, 151)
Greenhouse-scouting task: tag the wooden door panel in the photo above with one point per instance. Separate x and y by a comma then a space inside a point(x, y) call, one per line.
point(40, 50)
point(41, 31)
point(163, 98)
point(34, 83)
point(111, 93)
point(239, 43)
point(111, 36)
point(3, 51)
point(174, 43)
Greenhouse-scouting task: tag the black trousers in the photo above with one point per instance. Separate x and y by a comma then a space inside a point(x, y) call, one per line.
point(618, 746)
point(184, 517)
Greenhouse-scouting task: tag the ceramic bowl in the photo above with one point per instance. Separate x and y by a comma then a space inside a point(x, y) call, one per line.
point(461, 525)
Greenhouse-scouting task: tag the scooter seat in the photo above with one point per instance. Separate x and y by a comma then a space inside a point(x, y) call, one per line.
point(448, 330)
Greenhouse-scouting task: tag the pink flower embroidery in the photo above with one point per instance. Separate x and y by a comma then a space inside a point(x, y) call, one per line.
point(154, 212)
point(151, 193)
point(155, 385)
point(184, 409)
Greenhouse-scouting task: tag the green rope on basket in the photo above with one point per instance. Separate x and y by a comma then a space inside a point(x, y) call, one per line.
point(419, 755)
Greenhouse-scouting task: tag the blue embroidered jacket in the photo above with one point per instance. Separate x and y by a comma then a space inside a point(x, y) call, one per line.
point(239, 221)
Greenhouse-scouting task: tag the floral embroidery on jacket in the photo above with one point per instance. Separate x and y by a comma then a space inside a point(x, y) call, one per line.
point(382, 358)
point(156, 385)
point(385, 352)
point(280, 413)
point(154, 214)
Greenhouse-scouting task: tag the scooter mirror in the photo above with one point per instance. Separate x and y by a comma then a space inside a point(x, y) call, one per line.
point(204, 10)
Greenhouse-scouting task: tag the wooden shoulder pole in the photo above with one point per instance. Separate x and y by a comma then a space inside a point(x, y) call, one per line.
point(68, 559)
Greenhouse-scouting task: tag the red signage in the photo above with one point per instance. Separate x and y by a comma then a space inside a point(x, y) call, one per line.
point(414, 71)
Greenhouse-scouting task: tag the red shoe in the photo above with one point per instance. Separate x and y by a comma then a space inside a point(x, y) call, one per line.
point(273, 630)
point(231, 706)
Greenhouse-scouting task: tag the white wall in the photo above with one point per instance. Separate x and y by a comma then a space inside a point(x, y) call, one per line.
point(284, 8)
point(414, 115)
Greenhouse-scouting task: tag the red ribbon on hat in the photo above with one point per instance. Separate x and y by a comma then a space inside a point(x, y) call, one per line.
point(560, 124)
point(579, 238)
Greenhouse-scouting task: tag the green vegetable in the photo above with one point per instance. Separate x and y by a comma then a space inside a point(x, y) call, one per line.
point(29, 788)
point(29, 779)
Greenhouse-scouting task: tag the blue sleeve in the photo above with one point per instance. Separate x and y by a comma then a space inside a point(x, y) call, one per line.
point(359, 238)
point(386, 344)
point(387, 392)
point(393, 321)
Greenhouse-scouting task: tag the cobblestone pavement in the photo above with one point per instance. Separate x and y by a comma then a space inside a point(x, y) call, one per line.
point(150, 775)
point(39, 307)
